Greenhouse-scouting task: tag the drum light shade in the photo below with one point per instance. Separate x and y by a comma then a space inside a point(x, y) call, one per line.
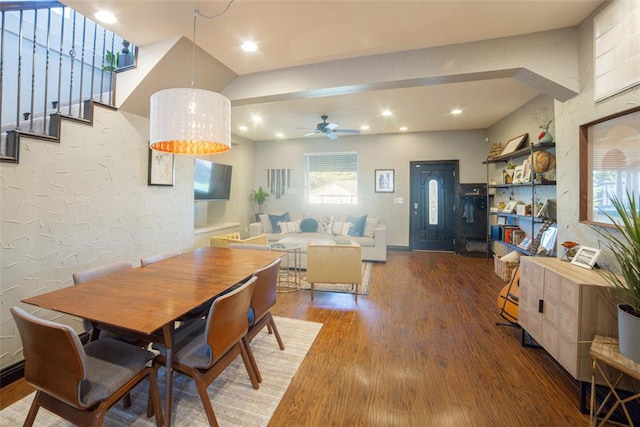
point(189, 121)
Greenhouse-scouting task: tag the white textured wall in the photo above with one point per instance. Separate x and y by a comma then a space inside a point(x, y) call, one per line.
point(393, 151)
point(82, 203)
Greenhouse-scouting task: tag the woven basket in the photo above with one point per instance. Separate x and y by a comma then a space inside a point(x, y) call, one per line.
point(503, 269)
point(495, 150)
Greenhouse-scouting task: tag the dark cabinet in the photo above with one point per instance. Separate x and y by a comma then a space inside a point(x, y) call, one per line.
point(471, 214)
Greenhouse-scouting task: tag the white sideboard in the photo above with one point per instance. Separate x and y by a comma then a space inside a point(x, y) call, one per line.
point(563, 307)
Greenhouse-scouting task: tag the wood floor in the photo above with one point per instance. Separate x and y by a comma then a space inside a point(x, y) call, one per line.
point(422, 349)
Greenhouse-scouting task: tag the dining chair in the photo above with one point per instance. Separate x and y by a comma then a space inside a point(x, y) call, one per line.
point(94, 273)
point(263, 300)
point(159, 257)
point(79, 383)
point(204, 349)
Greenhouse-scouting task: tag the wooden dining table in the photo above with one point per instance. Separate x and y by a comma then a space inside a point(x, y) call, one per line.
point(146, 302)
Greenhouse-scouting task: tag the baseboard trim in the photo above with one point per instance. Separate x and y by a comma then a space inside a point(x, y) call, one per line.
point(12, 373)
point(399, 248)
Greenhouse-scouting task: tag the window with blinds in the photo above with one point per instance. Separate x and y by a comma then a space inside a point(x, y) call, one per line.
point(332, 178)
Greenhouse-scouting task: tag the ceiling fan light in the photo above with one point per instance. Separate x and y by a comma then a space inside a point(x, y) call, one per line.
point(189, 121)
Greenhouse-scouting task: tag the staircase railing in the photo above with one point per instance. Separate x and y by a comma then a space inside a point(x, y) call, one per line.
point(52, 60)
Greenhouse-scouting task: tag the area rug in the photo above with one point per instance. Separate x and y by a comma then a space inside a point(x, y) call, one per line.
point(363, 289)
point(233, 399)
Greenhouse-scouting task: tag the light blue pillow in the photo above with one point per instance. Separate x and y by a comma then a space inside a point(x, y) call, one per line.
point(275, 219)
point(357, 225)
point(309, 225)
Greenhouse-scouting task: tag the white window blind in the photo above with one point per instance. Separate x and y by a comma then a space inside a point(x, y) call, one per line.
point(332, 178)
point(616, 31)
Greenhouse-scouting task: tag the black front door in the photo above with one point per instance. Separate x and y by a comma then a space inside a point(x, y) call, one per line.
point(432, 223)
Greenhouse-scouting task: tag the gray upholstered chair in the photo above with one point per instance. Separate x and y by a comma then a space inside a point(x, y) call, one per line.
point(159, 257)
point(204, 348)
point(80, 383)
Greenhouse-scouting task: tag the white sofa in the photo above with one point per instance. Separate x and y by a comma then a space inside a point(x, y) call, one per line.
point(373, 241)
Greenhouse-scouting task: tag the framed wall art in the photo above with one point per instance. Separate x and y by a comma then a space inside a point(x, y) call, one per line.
point(514, 143)
point(385, 180)
point(162, 168)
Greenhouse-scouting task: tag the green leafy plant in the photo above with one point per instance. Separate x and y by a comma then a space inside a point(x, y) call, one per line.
point(111, 61)
point(259, 196)
point(624, 243)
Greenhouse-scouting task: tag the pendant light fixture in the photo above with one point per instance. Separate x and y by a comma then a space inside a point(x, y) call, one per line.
point(189, 120)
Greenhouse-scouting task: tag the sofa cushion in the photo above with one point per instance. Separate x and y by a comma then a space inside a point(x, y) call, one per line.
point(340, 228)
point(266, 223)
point(289, 226)
point(309, 225)
point(357, 225)
point(365, 242)
point(275, 219)
point(370, 226)
point(325, 224)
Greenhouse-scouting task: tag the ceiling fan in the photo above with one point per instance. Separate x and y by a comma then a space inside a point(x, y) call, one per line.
point(330, 129)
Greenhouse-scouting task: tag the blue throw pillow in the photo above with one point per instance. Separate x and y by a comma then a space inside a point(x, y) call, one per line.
point(309, 225)
point(275, 219)
point(357, 225)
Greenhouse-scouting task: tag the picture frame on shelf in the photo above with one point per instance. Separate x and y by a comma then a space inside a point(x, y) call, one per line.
point(510, 207)
point(514, 143)
point(385, 180)
point(502, 220)
point(586, 257)
point(162, 168)
point(518, 175)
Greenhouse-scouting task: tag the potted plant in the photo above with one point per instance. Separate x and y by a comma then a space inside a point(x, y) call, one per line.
point(624, 243)
point(259, 196)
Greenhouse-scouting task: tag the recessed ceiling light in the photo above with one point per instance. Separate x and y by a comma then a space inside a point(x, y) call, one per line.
point(364, 127)
point(404, 128)
point(249, 46)
point(256, 119)
point(105, 17)
point(280, 134)
point(243, 128)
point(387, 113)
point(456, 111)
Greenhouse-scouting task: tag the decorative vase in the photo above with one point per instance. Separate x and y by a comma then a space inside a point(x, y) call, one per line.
point(547, 137)
point(628, 333)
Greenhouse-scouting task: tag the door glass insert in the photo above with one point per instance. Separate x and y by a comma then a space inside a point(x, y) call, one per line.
point(433, 202)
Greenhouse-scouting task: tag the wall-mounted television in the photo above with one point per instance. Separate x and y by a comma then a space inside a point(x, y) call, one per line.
point(212, 181)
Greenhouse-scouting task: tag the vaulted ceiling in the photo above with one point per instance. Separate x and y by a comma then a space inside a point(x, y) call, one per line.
point(331, 41)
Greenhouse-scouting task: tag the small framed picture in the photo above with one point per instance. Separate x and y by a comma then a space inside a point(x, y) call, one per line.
point(586, 257)
point(162, 168)
point(510, 207)
point(385, 180)
point(518, 175)
point(502, 220)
